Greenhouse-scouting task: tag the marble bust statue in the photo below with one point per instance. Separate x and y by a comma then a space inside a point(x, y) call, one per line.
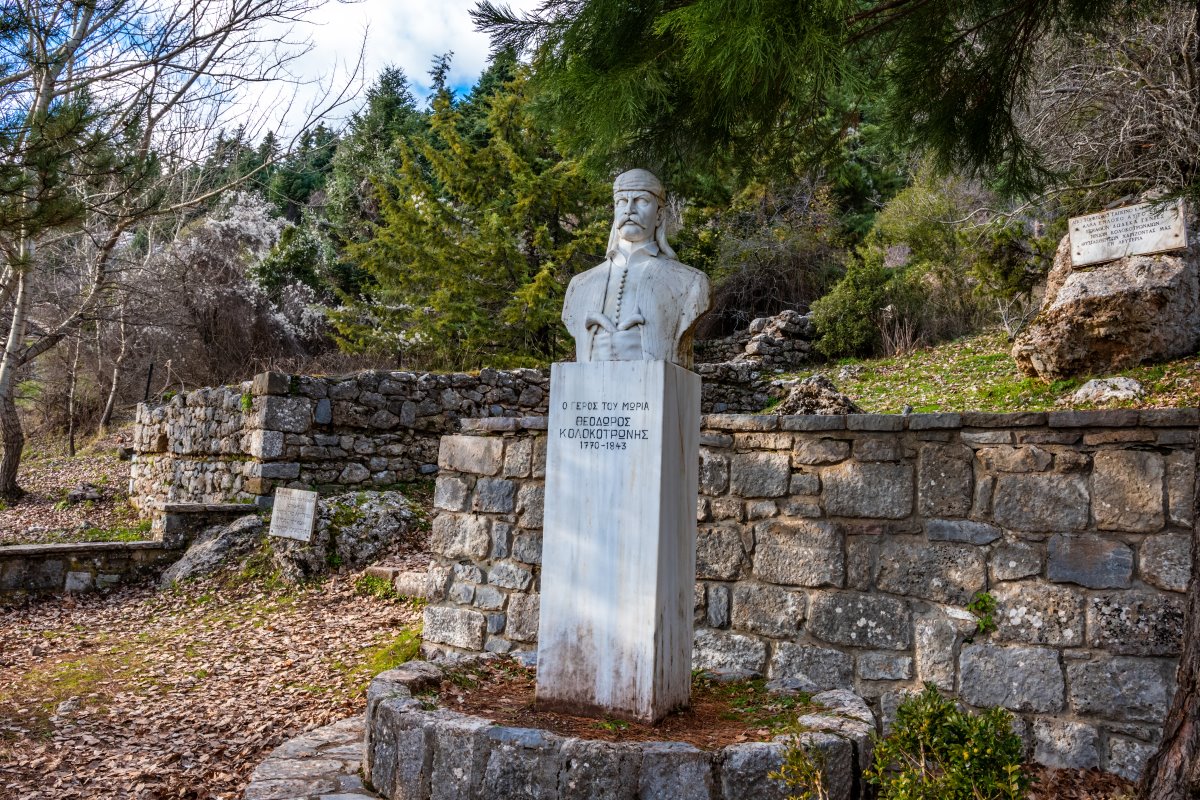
point(641, 304)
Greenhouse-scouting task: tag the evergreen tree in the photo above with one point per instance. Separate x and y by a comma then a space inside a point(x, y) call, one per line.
point(476, 242)
point(700, 81)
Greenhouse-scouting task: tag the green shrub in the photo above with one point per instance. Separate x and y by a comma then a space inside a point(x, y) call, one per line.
point(845, 318)
point(938, 752)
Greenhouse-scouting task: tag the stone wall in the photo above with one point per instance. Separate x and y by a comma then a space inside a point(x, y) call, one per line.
point(848, 551)
point(370, 429)
point(29, 570)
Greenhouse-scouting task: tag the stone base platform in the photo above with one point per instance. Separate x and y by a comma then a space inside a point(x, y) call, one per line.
point(416, 751)
point(320, 765)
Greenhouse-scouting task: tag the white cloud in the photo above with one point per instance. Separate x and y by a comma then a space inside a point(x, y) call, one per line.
point(405, 33)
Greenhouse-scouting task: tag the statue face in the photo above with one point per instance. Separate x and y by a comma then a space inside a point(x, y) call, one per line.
point(635, 214)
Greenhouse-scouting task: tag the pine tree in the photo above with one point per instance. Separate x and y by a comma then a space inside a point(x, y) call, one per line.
point(476, 241)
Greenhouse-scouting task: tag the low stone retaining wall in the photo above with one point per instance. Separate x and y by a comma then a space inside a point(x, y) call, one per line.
point(849, 550)
point(370, 429)
point(418, 753)
point(29, 570)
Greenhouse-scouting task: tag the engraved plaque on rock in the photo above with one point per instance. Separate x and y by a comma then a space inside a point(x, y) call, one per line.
point(294, 514)
point(1129, 231)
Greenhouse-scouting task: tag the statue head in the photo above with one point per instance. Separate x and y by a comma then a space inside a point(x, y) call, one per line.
point(638, 211)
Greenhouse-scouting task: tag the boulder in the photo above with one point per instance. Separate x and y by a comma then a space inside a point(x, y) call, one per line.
point(352, 530)
point(1107, 317)
point(1103, 390)
point(215, 547)
point(816, 395)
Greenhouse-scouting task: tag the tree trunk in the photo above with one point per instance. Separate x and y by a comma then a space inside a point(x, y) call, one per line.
point(71, 385)
point(12, 437)
point(110, 404)
point(1173, 773)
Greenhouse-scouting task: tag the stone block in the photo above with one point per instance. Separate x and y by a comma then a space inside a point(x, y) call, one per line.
point(935, 638)
point(675, 771)
point(1019, 419)
point(1180, 487)
point(1015, 560)
point(811, 452)
point(728, 508)
point(874, 422)
point(860, 620)
point(323, 414)
point(938, 421)
point(1165, 561)
point(1041, 502)
point(812, 422)
point(507, 575)
point(270, 383)
point(943, 573)
point(1136, 622)
point(523, 763)
point(1127, 490)
point(457, 627)
point(451, 493)
point(1128, 757)
point(868, 490)
point(1017, 678)
point(1039, 613)
point(744, 770)
point(722, 651)
point(1122, 688)
point(944, 479)
point(523, 617)
point(796, 552)
point(768, 610)
point(266, 444)
point(494, 495)
point(78, 582)
point(716, 607)
point(961, 530)
point(805, 484)
point(1004, 458)
point(740, 422)
point(476, 455)
point(518, 459)
point(460, 754)
point(759, 474)
point(1063, 744)
point(1090, 561)
point(714, 473)
point(527, 547)
point(885, 667)
point(398, 762)
point(719, 553)
point(874, 448)
point(602, 770)
point(287, 414)
point(461, 536)
point(278, 470)
point(353, 473)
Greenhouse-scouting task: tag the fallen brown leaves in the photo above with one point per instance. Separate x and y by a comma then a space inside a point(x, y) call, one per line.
point(178, 694)
point(47, 474)
point(1079, 784)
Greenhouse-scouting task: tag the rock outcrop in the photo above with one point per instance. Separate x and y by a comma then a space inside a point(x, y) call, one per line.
point(816, 395)
point(1111, 316)
point(352, 530)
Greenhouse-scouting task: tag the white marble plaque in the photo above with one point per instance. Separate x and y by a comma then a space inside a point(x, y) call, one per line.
point(1129, 231)
point(294, 514)
point(619, 538)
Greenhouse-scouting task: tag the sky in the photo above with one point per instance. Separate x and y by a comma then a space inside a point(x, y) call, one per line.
point(406, 33)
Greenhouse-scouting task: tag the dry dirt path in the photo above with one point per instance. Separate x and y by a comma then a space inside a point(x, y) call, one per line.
point(179, 694)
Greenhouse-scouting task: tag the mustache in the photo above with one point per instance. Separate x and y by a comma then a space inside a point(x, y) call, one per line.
point(628, 220)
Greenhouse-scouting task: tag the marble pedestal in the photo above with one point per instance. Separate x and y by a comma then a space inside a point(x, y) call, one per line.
point(619, 539)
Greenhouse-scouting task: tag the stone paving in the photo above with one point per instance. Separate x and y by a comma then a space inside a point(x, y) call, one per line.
point(320, 765)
